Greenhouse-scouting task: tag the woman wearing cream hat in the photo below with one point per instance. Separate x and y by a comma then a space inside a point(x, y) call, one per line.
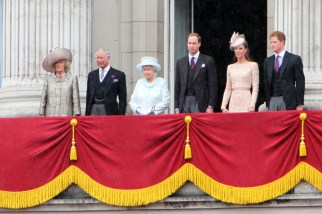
point(151, 94)
point(242, 78)
point(60, 95)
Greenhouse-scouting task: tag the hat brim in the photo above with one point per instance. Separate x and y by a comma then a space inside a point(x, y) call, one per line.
point(54, 56)
point(140, 65)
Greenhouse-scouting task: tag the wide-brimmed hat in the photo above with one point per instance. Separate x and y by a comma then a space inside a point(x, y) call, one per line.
point(148, 60)
point(236, 40)
point(54, 56)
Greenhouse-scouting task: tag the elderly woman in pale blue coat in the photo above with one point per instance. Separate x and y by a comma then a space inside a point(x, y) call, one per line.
point(151, 94)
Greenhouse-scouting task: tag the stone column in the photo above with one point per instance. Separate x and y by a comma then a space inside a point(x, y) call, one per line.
point(31, 29)
point(300, 20)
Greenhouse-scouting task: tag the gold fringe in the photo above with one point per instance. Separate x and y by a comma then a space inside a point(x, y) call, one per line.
point(225, 193)
point(33, 197)
point(132, 197)
point(302, 149)
point(137, 197)
point(312, 176)
point(247, 195)
point(73, 152)
point(187, 150)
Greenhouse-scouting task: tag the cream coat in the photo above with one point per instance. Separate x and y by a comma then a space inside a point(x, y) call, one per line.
point(60, 97)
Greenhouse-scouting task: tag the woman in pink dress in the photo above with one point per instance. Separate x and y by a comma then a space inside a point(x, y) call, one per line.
point(242, 79)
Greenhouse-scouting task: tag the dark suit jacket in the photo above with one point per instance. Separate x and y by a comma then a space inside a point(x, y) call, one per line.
point(116, 87)
point(292, 80)
point(205, 82)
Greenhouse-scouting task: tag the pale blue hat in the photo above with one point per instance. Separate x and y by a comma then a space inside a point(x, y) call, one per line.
point(148, 60)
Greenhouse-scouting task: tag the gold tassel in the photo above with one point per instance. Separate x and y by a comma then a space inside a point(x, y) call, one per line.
point(302, 150)
point(187, 150)
point(73, 152)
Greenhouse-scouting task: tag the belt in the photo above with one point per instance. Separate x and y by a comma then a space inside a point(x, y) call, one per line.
point(98, 101)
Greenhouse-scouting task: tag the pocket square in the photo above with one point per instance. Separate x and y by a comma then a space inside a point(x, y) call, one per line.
point(115, 80)
point(203, 65)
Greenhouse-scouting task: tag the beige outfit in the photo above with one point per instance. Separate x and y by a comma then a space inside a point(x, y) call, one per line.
point(241, 87)
point(60, 97)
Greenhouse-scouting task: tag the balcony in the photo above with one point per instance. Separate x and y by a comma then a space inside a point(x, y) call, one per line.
point(266, 161)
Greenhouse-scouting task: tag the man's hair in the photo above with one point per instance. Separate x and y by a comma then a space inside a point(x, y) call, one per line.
point(279, 35)
point(195, 34)
point(105, 50)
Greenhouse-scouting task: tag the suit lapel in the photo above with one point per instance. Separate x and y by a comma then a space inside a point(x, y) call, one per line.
point(185, 66)
point(94, 81)
point(109, 79)
point(270, 68)
point(286, 59)
point(198, 66)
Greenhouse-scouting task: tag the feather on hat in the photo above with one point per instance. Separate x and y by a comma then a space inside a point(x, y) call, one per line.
point(236, 40)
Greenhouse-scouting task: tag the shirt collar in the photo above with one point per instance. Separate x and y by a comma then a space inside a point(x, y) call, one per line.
point(281, 54)
point(195, 56)
point(105, 69)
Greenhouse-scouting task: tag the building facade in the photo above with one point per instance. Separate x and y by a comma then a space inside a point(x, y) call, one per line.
point(135, 28)
point(132, 29)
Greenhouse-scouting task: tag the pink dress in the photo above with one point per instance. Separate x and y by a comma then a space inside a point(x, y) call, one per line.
point(241, 87)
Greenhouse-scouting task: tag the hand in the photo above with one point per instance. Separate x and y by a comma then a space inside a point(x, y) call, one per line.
point(224, 110)
point(141, 111)
point(251, 109)
point(300, 107)
point(210, 110)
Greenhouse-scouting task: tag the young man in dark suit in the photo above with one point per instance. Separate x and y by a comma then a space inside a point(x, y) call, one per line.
point(284, 81)
point(196, 85)
point(106, 88)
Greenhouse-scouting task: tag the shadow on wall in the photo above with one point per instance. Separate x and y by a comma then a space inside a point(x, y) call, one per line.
point(215, 21)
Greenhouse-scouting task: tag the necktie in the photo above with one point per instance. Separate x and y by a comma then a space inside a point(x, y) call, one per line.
point(102, 75)
point(192, 63)
point(276, 63)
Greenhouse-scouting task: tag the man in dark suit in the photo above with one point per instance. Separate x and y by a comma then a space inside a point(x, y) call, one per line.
point(196, 85)
point(104, 86)
point(284, 81)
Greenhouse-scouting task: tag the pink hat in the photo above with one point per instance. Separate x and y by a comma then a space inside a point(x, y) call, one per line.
point(54, 56)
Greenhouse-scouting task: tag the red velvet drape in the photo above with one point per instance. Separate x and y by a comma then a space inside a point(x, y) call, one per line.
point(135, 152)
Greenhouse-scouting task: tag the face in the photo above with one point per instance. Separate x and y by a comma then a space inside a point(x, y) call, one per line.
point(277, 45)
point(102, 60)
point(240, 52)
point(193, 45)
point(148, 72)
point(60, 66)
